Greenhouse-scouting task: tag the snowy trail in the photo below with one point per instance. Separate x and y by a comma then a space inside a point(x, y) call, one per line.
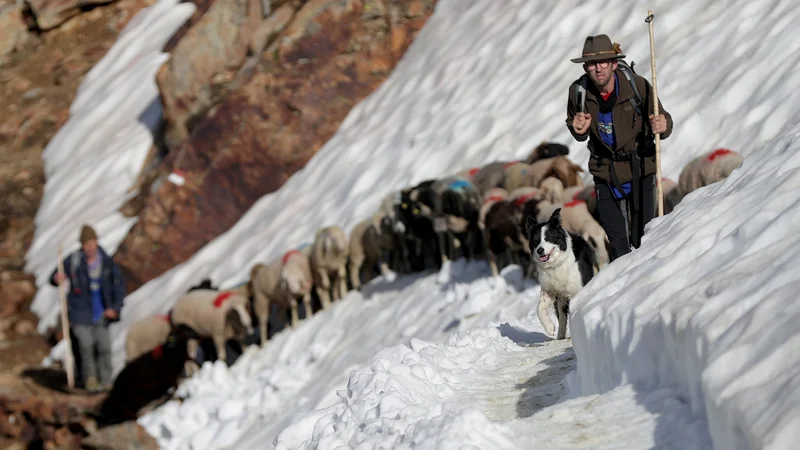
point(520, 383)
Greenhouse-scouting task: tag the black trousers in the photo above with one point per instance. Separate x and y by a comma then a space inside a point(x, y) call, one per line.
point(614, 215)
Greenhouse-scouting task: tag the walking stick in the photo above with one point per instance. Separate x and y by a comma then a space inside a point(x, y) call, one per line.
point(68, 364)
point(659, 192)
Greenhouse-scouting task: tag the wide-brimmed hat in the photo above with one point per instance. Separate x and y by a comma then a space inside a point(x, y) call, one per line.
point(597, 48)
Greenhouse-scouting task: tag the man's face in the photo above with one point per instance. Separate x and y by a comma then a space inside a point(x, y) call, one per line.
point(90, 248)
point(600, 72)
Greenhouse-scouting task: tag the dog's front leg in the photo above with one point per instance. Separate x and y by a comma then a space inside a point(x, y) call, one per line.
point(545, 303)
point(562, 311)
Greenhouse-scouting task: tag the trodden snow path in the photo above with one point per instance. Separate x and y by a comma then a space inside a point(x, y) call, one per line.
point(503, 386)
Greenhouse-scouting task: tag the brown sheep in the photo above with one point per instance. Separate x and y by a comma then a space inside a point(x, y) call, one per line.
point(219, 315)
point(547, 150)
point(145, 335)
point(501, 227)
point(329, 254)
point(368, 243)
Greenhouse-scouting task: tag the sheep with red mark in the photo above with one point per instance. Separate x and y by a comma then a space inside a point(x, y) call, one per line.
point(490, 176)
point(583, 193)
point(329, 254)
point(501, 229)
point(213, 314)
point(707, 169)
point(145, 335)
point(369, 243)
point(576, 218)
point(560, 167)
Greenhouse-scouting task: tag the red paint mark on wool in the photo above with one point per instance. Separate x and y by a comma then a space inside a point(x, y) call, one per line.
point(493, 198)
point(473, 171)
point(717, 153)
point(288, 255)
point(222, 298)
point(509, 164)
point(164, 317)
point(522, 199)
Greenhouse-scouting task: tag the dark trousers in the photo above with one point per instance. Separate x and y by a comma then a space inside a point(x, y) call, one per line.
point(614, 214)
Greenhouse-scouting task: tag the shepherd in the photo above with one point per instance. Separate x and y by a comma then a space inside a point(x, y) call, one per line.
point(94, 302)
point(615, 113)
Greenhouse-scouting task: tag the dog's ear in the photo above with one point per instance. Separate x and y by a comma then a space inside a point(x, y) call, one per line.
point(530, 222)
point(555, 218)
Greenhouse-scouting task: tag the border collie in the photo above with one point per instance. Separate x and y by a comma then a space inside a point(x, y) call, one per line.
point(564, 262)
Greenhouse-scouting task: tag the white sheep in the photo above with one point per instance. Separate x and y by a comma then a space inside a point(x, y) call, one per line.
point(329, 254)
point(552, 189)
point(145, 335)
point(219, 315)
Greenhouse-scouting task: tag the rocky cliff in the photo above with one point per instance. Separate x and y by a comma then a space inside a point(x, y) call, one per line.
point(274, 111)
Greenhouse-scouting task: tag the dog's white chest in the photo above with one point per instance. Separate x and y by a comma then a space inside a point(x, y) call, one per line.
point(563, 280)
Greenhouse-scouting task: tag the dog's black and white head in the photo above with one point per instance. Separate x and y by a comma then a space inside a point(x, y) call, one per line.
point(549, 242)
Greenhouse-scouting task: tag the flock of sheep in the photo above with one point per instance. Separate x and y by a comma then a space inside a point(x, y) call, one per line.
point(473, 214)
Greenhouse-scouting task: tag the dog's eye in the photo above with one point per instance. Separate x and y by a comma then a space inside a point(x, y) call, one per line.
point(416, 211)
point(404, 205)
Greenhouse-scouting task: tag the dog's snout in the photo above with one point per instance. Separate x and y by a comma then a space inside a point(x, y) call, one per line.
point(540, 251)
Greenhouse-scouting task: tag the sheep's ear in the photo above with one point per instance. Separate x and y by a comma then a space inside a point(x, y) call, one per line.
point(555, 218)
point(530, 222)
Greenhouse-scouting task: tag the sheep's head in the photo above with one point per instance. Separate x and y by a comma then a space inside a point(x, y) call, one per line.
point(238, 322)
point(552, 189)
point(294, 281)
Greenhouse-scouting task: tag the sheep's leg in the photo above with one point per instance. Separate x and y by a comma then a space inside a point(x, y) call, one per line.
point(263, 320)
point(219, 342)
point(293, 306)
point(307, 304)
point(355, 268)
point(191, 365)
point(342, 276)
point(491, 256)
point(323, 289)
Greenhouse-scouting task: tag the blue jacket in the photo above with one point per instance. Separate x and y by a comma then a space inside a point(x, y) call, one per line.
point(79, 298)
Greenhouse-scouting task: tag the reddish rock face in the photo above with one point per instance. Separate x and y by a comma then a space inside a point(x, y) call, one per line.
point(206, 56)
point(52, 13)
point(274, 118)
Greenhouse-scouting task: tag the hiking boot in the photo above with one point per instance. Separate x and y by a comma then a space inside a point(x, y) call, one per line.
point(91, 384)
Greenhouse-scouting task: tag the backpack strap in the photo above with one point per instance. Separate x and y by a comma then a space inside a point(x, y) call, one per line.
point(75, 259)
point(580, 94)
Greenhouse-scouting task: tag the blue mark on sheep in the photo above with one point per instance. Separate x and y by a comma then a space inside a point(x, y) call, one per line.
point(460, 185)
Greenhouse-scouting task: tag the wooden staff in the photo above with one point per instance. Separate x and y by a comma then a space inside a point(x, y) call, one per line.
point(659, 191)
point(68, 364)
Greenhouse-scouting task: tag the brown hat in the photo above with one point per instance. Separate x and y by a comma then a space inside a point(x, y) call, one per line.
point(599, 48)
point(88, 234)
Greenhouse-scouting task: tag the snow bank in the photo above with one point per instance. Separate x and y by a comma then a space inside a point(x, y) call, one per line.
point(94, 159)
point(708, 305)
